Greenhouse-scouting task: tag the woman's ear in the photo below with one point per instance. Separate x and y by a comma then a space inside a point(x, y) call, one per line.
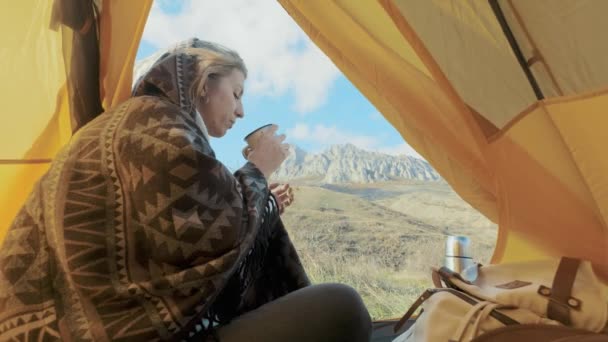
point(204, 89)
point(201, 95)
point(206, 84)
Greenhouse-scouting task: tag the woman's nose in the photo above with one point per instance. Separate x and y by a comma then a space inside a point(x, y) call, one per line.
point(239, 112)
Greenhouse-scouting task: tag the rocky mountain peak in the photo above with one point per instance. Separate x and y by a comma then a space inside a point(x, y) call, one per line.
point(349, 164)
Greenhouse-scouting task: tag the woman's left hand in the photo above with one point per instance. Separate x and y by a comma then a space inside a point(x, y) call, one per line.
point(283, 194)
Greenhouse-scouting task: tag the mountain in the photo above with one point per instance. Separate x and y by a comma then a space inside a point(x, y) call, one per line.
point(350, 164)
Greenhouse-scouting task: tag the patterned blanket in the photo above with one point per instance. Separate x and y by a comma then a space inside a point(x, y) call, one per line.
point(137, 229)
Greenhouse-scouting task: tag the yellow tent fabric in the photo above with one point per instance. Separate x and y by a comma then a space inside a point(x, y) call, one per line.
point(445, 75)
point(36, 116)
point(442, 72)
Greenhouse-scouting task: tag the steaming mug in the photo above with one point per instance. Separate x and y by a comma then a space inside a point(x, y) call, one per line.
point(253, 138)
point(458, 257)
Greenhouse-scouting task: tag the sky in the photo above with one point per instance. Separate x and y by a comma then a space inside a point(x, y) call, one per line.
point(291, 82)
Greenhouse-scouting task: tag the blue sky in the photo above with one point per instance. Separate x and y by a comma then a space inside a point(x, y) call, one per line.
point(291, 82)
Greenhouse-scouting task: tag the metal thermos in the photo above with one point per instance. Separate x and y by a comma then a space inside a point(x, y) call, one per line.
point(458, 257)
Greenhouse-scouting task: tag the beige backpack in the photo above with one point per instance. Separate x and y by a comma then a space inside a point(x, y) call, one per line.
point(562, 292)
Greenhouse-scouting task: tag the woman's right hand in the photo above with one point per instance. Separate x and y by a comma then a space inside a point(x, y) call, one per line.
point(283, 193)
point(269, 152)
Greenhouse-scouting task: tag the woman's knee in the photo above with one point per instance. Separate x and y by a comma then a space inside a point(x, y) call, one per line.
point(345, 308)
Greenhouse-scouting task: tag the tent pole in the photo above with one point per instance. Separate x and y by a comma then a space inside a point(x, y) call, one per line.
point(515, 47)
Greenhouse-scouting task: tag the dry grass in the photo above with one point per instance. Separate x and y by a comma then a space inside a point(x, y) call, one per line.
point(353, 238)
point(385, 294)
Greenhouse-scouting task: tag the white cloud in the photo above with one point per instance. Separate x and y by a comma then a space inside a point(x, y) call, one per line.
point(329, 135)
point(324, 136)
point(376, 116)
point(299, 132)
point(279, 56)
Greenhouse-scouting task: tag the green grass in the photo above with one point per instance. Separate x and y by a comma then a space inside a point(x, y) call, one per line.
point(385, 254)
point(385, 294)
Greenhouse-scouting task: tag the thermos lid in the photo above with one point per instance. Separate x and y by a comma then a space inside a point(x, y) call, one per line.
point(458, 246)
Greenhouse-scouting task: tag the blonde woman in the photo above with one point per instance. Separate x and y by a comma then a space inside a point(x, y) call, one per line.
point(138, 233)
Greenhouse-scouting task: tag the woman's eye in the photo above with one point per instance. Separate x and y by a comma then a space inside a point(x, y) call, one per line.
point(236, 96)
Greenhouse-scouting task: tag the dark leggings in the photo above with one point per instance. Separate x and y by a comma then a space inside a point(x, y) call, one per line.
point(324, 312)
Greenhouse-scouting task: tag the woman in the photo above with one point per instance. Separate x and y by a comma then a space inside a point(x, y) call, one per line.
point(138, 233)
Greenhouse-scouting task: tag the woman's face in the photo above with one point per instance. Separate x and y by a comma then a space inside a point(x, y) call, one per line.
point(222, 105)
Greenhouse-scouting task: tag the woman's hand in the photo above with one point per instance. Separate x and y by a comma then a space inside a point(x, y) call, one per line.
point(283, 194)
point(269, 152)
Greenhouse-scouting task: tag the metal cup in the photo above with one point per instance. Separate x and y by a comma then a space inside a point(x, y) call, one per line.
point(252, 139)
point(458, 257)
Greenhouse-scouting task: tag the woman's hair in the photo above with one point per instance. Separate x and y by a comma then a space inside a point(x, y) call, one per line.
point(214, 61)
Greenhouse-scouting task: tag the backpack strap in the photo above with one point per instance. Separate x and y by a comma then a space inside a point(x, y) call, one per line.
point(423, 297)
point(559, 295)
point(436, 278)
point(504, 319)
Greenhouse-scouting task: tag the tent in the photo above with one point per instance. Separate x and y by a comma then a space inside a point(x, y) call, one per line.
point(43, 42)
point(505, 98)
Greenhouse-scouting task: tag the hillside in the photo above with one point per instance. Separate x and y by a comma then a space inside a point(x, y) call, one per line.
point(371, 237)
